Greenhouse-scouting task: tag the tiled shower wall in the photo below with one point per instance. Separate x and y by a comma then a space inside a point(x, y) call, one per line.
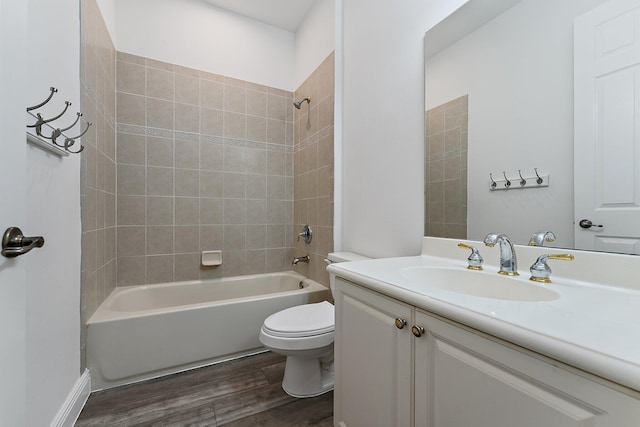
point(446, 170)
point(313, 166)
point(98, 181)
point(205, 162)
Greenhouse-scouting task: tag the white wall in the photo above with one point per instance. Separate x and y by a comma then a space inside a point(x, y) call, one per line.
point(195, 34)
point(520, 90)
point(383, 124)
point(314, 40)
point(53, 210)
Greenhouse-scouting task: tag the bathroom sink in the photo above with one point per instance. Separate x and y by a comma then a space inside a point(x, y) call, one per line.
point(476, 283)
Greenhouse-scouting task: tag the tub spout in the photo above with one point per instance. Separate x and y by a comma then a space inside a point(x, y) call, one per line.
point(298, 259)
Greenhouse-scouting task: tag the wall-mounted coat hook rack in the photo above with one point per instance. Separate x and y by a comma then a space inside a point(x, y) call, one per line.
point(41, 126)
point(535, 181)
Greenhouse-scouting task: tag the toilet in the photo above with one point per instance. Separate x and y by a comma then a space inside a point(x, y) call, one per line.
point(304, 334)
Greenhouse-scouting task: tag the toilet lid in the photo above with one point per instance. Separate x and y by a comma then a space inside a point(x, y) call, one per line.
point(301, 321)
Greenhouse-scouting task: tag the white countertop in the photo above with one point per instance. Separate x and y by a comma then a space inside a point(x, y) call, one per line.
point(589, 326)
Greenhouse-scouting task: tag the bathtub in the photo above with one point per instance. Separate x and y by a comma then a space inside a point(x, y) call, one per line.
point(142, 332)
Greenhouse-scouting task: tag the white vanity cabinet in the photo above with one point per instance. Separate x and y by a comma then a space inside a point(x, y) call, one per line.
point(454, 376)
point(373, 373)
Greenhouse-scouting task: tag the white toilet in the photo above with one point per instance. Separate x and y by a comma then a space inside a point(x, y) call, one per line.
point(304, 334)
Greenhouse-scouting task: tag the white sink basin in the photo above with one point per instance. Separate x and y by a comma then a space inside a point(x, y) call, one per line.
point(477, 283)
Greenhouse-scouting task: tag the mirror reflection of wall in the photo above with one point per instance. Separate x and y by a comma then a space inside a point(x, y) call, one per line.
point(446, 170)
point(517, 70)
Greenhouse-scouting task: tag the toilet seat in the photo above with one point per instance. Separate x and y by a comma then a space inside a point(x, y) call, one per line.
point(301, 321)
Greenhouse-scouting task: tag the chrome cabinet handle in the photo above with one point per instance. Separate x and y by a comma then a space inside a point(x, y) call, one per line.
point(14, 243)
point(416, 330)
point(400, 323)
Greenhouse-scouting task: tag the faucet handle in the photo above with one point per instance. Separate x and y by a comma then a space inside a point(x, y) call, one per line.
point(540, 237)
point(541, 272)
point(306, 234)
point(475, 260)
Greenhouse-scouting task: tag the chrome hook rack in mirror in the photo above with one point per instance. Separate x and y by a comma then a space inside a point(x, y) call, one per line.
point(525, 181)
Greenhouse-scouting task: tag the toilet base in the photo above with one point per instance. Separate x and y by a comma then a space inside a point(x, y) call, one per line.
point(308, 377)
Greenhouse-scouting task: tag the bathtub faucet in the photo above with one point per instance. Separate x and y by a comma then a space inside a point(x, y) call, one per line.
point(298, 259)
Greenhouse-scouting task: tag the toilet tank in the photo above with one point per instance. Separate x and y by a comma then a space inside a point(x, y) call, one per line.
point(334, 257)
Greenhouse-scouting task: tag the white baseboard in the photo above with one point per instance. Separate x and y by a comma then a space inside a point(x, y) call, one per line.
point(70, 410)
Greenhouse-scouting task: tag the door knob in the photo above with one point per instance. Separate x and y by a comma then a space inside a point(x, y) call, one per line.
point(14, 243)
point(585, 223)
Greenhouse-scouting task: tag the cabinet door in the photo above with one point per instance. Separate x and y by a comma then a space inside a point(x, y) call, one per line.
point(463, 379)
point(373, 364)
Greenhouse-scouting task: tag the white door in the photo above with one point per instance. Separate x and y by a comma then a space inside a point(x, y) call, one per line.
point(607, 127)
point(12, 210)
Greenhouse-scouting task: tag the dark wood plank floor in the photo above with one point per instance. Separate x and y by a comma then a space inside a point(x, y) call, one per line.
point(239, 393)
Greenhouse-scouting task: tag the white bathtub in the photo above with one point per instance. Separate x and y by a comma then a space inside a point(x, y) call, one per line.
point(142, 332)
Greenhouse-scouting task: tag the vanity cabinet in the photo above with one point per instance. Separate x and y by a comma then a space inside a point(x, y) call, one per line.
point(454, 376)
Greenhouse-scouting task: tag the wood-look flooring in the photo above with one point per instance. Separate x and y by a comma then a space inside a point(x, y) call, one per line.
point(239, 393)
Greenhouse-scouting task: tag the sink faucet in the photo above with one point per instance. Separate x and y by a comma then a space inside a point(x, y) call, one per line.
point(540, 237)
point(508, 263)
point(298, 259)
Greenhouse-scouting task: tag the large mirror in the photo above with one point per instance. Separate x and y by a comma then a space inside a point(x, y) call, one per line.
point(500, 103)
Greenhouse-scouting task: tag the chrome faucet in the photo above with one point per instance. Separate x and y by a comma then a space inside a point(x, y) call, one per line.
point(298, 259)
point(508, 262)
point(540, 237)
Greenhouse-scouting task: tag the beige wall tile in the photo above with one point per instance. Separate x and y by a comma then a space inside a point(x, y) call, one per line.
point(235, 99)
point(131, 149)
point(187, 89)
point(159, 269)
point(257, 103)
point(131, 241)
point(187, 239)
point(187, 182)
point(212, 238)
point(211, 183)
point(186, 266)
point(131, 180)
point(131, 210)
point(234, 185)
point(159, 240)
point(159, 210)
point(160, 151)
point(212, 94)
point(160, 113)
point(131, 78)
point(211, 210)
point(187, 118)
point(211, 156)
point(160, 181)
point(211, 121)
point(187, 211)
point(235, 125)
point(131, 109)
point(234, 237)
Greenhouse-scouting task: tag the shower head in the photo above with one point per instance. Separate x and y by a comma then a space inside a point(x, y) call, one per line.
point(299, 103)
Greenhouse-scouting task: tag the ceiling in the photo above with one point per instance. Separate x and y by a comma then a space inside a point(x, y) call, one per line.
point(285, 14)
